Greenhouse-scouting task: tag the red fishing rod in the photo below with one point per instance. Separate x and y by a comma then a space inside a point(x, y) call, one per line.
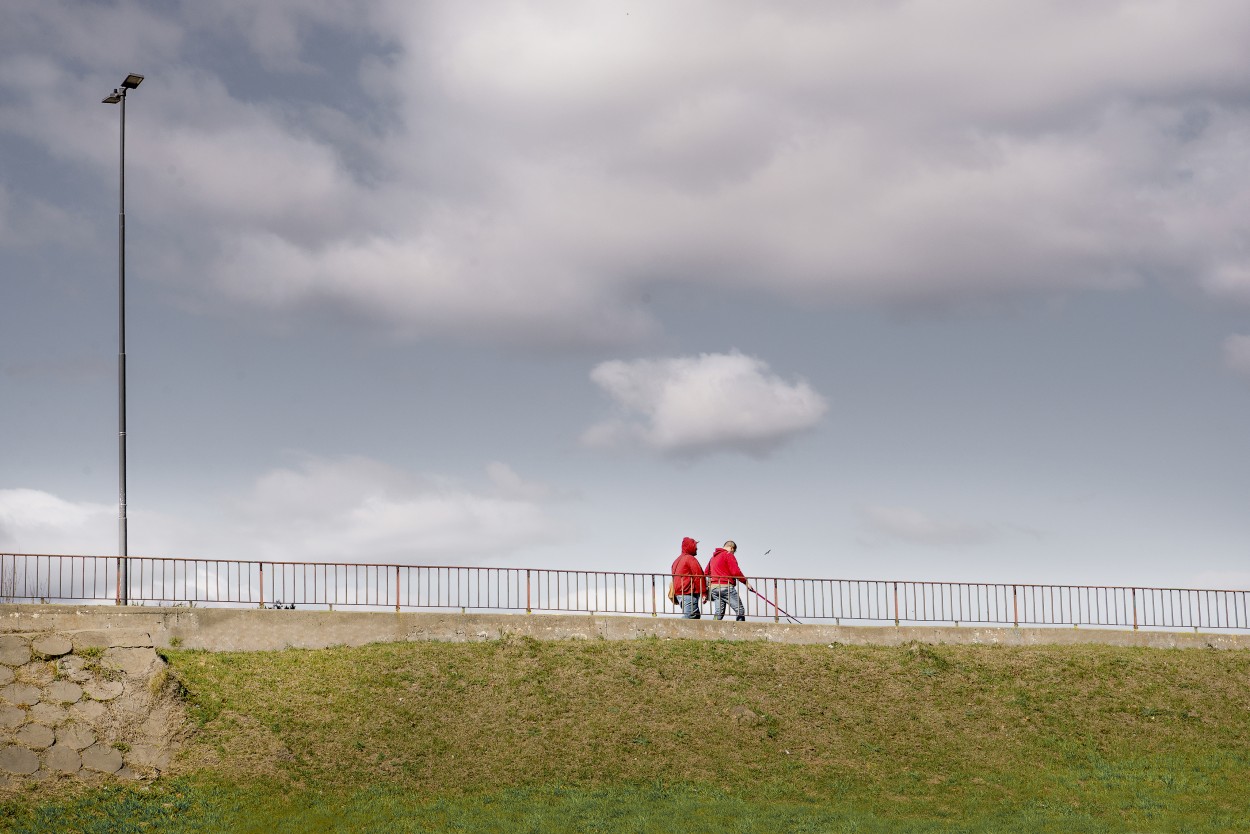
point(769, 601)
point(773, 604)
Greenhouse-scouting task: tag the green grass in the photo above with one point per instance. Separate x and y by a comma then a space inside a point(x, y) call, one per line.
point(520, 735)
point(204, 806)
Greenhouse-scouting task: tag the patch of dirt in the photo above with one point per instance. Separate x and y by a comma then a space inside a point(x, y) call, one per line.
point(251, 748)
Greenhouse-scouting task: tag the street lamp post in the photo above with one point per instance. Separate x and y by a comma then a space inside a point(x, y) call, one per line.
point(118, 96)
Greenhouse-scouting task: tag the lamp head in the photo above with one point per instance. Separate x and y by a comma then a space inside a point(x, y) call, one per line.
point(114, 98)
point(132, 81)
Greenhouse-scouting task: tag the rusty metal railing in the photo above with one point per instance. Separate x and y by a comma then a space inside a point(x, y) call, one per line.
point(219, 582)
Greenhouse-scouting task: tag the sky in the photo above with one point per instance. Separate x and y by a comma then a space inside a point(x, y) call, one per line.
point(947, 290)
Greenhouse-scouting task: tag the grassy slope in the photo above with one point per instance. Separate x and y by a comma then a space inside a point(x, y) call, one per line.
point(634, 736)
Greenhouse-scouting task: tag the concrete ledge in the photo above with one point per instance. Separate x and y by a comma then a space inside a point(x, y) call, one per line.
point(250, 629)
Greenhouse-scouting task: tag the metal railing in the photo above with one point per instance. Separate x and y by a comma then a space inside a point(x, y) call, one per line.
point(217, 582)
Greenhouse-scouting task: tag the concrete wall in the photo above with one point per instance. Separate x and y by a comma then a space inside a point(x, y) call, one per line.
point(233, 629)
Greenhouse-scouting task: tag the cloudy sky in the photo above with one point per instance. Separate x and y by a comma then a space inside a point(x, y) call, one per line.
point(920, 289)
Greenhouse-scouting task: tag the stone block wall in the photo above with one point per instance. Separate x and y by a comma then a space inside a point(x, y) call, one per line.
point(85, 705)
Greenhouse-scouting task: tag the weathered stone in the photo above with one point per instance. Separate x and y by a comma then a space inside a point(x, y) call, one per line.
point(63, 692)
point(21, 694)
point(53, 645)
point(101, 758)
point(62, 759)
point(48, 715)
point(12, 717)
point(14, 650)
point(127, 773)
point(100, 690)
point(74, 668)
point(74, 736)
point(18, 760)
point(147, 755)
point(6, 675)
point(157, 725)
point(135, 663)
point(133, 707)
point(35, 736)
point(112, 638)
point(92, 711)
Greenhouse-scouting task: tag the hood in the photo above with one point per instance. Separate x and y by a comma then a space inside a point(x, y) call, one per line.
point(720, 551)
point(689, 546)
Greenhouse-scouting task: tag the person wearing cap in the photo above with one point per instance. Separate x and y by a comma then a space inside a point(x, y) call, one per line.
point(689, 583)
point(723, 576)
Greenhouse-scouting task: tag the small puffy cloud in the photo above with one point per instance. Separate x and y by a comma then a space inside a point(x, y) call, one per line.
point(911, 526)
point(1237, 354)
point(694, 406)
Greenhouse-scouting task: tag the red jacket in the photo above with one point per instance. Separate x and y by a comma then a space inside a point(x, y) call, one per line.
point(687, 574)
point(723, 568)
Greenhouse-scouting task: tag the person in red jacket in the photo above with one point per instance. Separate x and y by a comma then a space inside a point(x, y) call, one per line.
point(689, 583)
point(723, 575)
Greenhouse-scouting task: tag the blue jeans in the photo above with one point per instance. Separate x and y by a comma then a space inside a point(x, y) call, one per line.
point(690, 606)
point(727, 593)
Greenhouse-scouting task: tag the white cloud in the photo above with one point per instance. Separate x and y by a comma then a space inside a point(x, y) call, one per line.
point(423, 287)
point(1237, 354)
point(355, 509)
point(528, 172)
point(510, 485)
point(904, 524)
point(349, 509)
point(34, 521)
point(692, 406)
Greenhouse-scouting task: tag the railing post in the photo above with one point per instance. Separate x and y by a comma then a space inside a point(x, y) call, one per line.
point(527, 592)
point(776, 615)
point(397, 589)
point(1134, 590)
point(896, 617)
point(261, 565)
point(653, 611)
point(1015, 608)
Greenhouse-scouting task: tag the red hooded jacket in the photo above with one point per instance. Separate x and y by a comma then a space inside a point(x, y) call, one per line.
point(722, 568)
point(688, 575)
